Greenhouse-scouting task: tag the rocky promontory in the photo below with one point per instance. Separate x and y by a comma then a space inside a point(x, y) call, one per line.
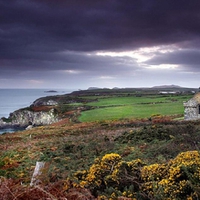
point(24, 118)
point(42, 112)
point(45, 111)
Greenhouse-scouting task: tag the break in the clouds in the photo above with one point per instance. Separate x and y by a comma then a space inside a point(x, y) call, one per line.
point(108, 43)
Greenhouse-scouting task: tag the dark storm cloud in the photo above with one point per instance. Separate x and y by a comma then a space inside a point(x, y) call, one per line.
point(90, 25)
point(38, 35)
point(70, 61)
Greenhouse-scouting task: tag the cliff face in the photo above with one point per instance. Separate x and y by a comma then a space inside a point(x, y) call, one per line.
point(23, 118)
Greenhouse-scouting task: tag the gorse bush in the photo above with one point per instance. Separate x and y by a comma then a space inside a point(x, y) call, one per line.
point(182, 177)
point(111, 173)
point(110, 177)
point(156, 131)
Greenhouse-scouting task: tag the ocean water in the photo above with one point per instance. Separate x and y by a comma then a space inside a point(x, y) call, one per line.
point(14, 99)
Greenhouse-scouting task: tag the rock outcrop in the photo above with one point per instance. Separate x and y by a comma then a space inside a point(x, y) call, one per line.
point(44, 102)
point(25, 117)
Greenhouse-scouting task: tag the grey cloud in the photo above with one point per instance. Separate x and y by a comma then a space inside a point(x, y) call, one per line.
point(33, 33)
point(92, 26)
point(187, 59)
point(68, 60)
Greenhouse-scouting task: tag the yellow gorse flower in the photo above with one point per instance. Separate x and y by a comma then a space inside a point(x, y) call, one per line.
point(175, 180)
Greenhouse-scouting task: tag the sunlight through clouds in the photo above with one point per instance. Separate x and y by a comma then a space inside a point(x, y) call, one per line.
point(72, 71)
point(163, 66)
point(142, 54)
point(106, 77)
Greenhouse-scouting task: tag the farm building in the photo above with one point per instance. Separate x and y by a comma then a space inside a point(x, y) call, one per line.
point(192, 108)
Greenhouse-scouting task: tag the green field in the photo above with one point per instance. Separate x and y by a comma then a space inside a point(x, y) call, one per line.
point(110, 108)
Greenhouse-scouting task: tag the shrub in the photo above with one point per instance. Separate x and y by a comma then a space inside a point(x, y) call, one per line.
point(147, 134)
point(112, 176)
point(179, 179)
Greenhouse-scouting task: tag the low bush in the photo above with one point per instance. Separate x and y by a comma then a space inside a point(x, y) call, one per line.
point(156, 132)
point(111, 177)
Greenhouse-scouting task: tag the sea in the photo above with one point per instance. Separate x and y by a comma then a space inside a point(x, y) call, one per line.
point(14, 99)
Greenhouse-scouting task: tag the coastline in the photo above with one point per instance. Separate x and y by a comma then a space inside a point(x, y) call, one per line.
point(12, 100)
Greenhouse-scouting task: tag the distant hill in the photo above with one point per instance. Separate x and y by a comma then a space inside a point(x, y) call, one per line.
point(167, 86)
point(93, 88)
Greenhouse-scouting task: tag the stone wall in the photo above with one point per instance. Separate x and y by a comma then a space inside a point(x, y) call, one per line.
point(191, 111)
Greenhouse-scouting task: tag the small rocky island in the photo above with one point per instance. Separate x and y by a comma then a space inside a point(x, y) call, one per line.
point(51, 91)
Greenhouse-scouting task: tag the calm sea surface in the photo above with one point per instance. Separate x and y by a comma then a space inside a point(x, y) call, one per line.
point(14, 99)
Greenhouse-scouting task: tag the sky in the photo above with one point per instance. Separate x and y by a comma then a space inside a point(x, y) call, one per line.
point(76, 44)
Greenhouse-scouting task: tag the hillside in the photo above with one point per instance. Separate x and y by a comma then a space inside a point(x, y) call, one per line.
point(152, 157)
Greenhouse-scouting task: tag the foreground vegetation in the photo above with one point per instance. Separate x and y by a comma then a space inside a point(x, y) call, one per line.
point(150, 157)
point(108, 160)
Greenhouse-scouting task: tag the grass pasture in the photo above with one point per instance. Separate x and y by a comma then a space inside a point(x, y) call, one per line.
point(114, 108)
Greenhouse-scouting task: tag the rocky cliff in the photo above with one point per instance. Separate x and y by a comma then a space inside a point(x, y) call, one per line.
point(25, 117)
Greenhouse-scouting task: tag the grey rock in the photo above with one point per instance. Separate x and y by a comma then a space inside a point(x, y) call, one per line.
point(44, 102)
point(24, 118)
